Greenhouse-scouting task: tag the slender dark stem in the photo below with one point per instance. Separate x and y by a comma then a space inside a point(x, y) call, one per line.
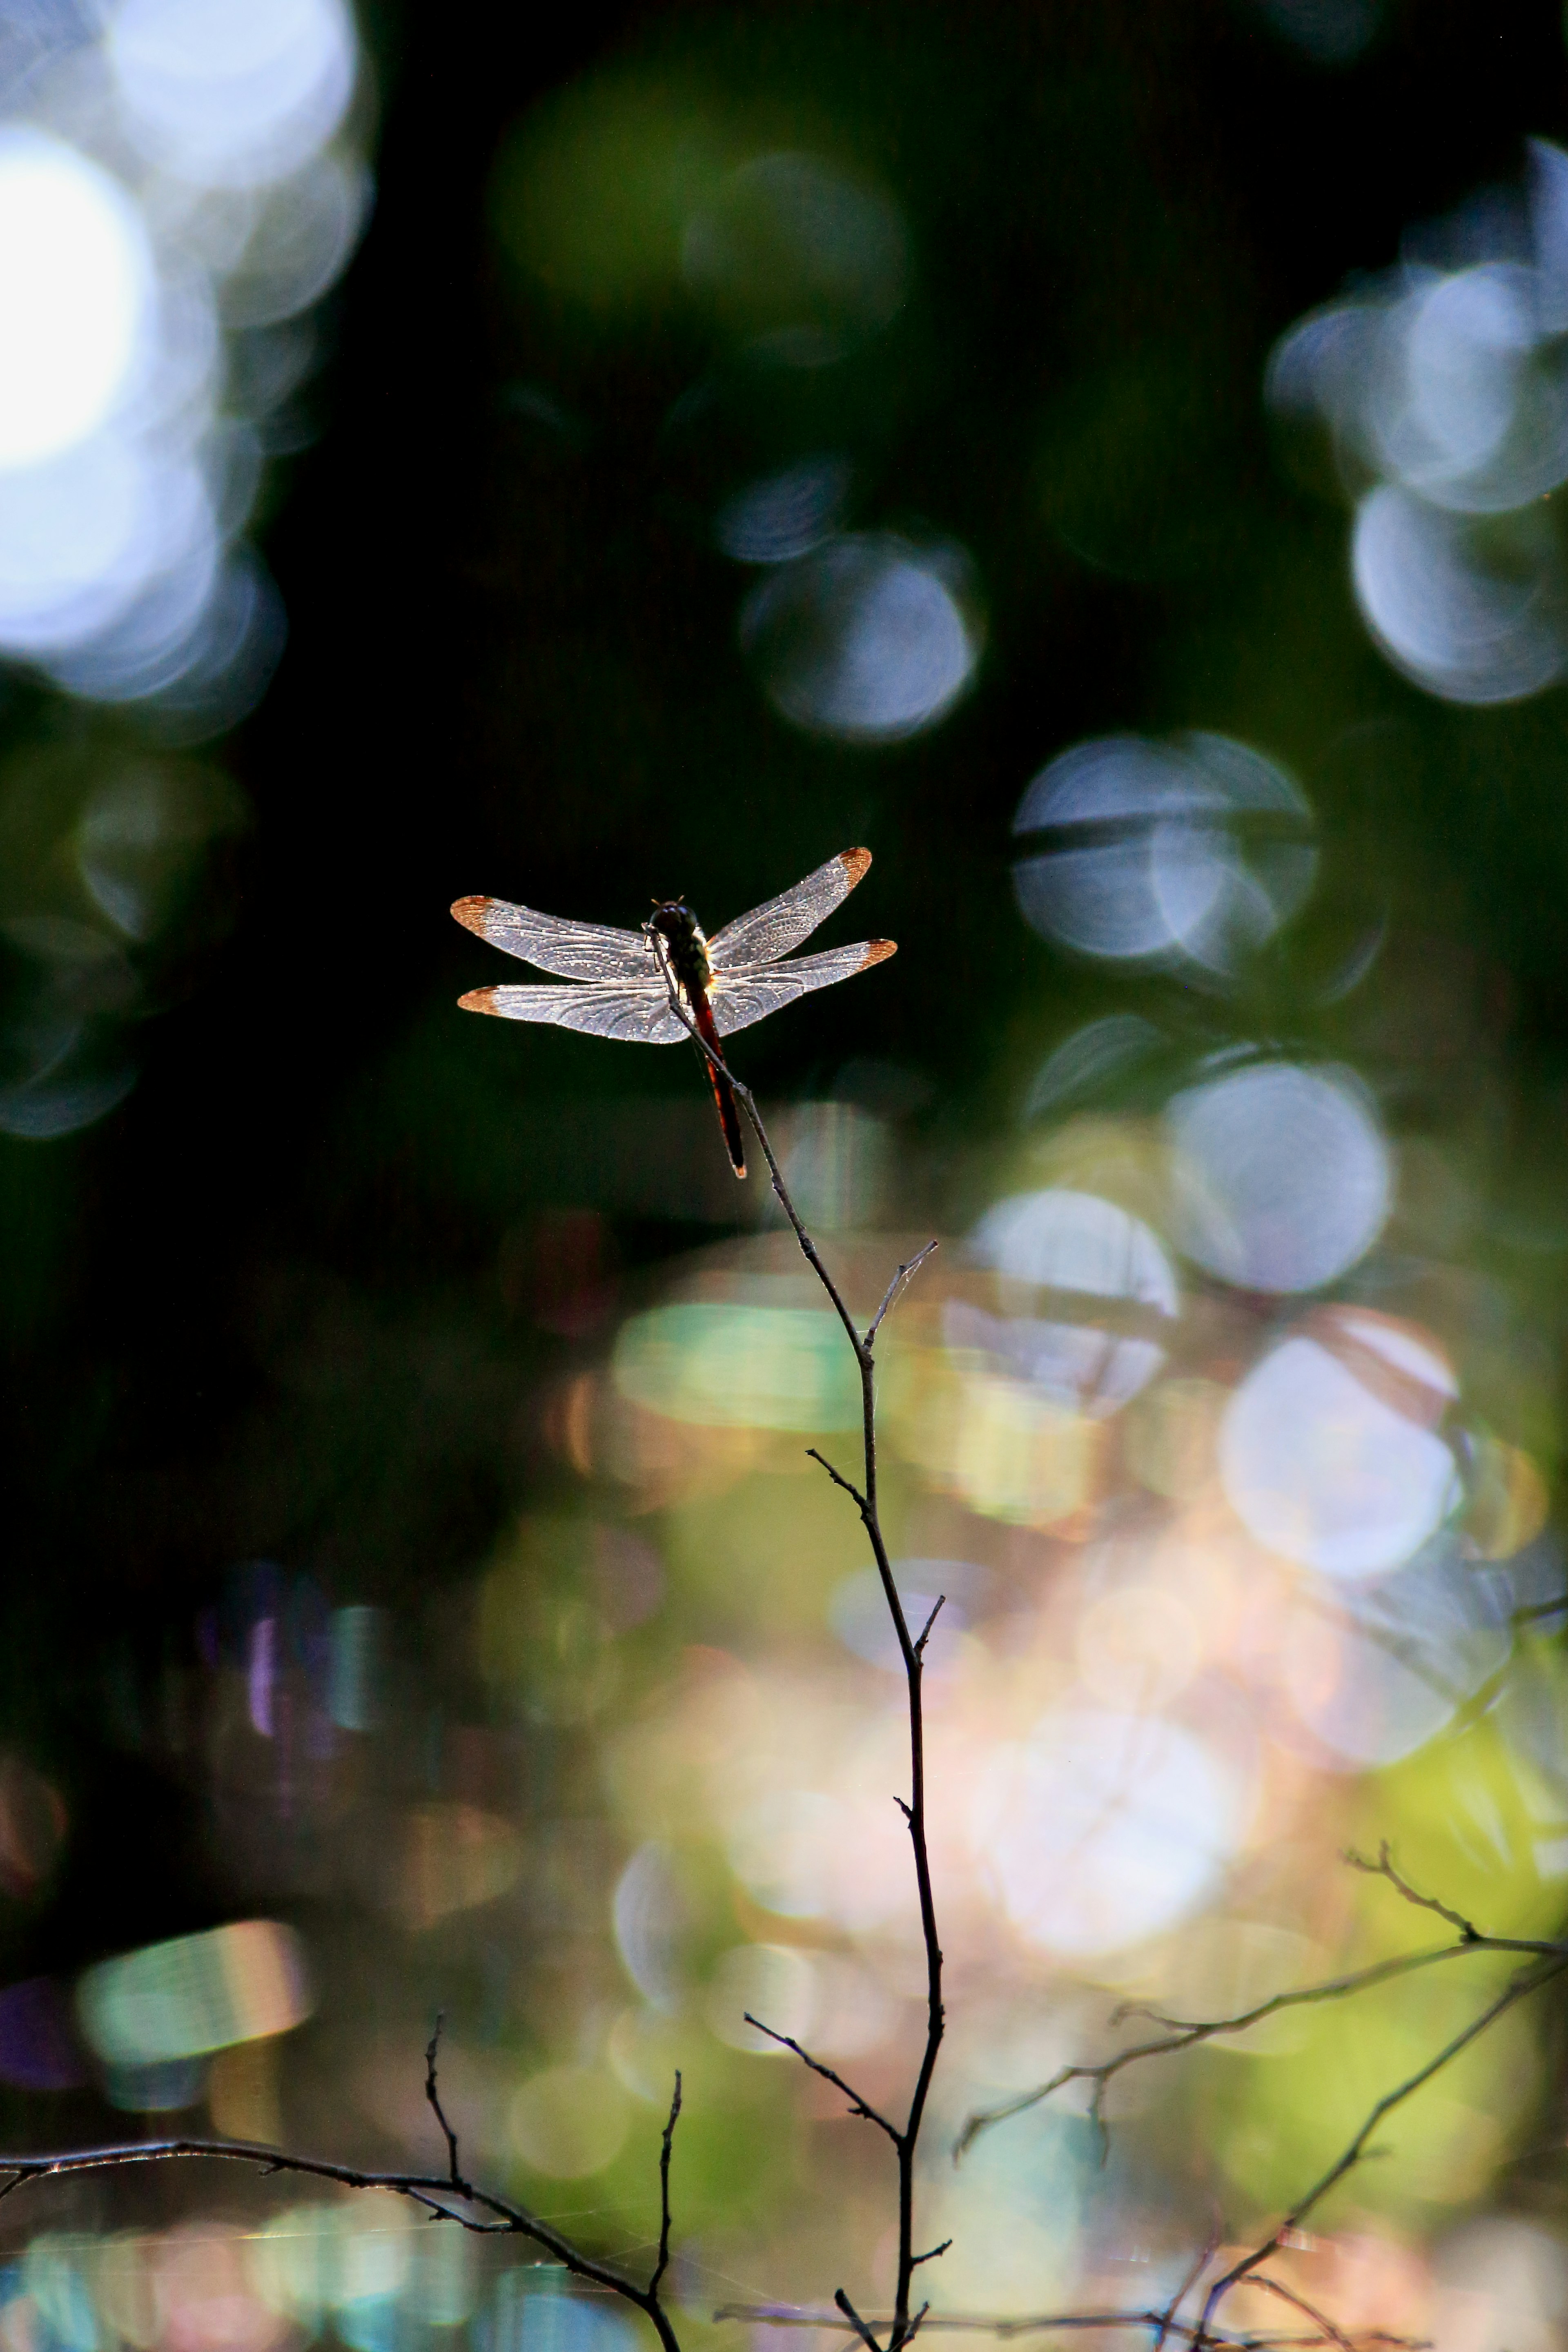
point(434, 2095)
point(664, 2145)
point(906, 2142)
point(857, 2106)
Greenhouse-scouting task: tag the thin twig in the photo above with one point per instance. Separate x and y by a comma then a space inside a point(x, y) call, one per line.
point(1384, 1867)
point(857, 2106)
point(1527, 1982)
point(906, 2141)
point(930, 1620)
point(904, 1275)
point(856, 2322)
point(433, 2095)
point(1190, 2278)
point(666, 2144)
point(931, 2252)
point(1180, 2033)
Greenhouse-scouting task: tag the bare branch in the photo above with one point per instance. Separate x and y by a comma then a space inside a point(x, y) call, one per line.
point(1383, 1868)
point(428, 2190)
point(925, 1630)
point(664, 2145)
point(856, 2322)
point(932, 2251)
point(1179, 2033)
point(857, 2106)
point(899, 1283)
point(431, 2093)
point(838, 1476)
point(1527, 1982)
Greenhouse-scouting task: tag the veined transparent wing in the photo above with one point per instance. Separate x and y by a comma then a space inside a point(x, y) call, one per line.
point(634, 1011)
point(770, 930)
point(752, 996)
point(577, 950)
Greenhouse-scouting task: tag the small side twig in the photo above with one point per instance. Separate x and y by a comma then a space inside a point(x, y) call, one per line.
point(904, 1275)
point(857, 2106)
point(856, 2322)
point(1385, 1867)
point(453, 2173)
point(666, 2143)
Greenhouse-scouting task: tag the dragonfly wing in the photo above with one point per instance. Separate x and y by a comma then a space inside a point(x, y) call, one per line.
point(577, 950)
point(636, 1012)
point(770, 930)
point(753, 996)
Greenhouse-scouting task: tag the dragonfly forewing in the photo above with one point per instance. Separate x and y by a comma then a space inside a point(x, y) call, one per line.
point(575, 950)
point(771, 930)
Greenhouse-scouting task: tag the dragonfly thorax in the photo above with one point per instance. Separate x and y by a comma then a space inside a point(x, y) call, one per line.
point(685, 944)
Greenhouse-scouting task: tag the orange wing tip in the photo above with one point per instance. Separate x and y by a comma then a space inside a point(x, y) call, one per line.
point(478, 1000)
point(471, 913)
point(854, 862)
point(876, 951)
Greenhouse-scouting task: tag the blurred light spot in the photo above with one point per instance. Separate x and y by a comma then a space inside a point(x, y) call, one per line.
point(807, 1855)
point(1008, 1451)
point(297, 247)
point(1442, 390)
point(1501, 2279)
point(1094, 1056)
point(643, 2048)
point(1195, 851)
point(1137, 1647)
point(76, 282)
point(532, 2310)
point(1506, 1500)
point(195, 1994)
point(1472, 611)
point(143, 837)
point(443, 2289)
point(786, 514)
point(1282, 1176)
point(836, 1163)
point(858, 1611)
point(869, 638)
point(795, 253)
point(204, 2296)
point(163, 2086)
point(651, 1918)
point(32, 1826)
point(1329, 32)
point(38, 2048)
point(1075, 1248)
point(593, 192)
point(54, 2274)
point(231, 93)
point(243, 2093)
point(1103, 1828)
point(726, 1366)
point(1171, 1441)
point(456, 1858)
point(773, 1981)
point(354, 1674)
point(1377, 1671)
point(1329, 1452)
point(569, 2121)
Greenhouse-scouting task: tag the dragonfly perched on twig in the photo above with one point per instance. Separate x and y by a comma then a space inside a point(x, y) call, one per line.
point(725, 982)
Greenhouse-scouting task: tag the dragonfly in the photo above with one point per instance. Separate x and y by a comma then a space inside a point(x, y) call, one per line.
point(725, 983)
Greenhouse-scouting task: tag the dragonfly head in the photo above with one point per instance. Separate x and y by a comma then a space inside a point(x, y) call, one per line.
point(679, 929)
